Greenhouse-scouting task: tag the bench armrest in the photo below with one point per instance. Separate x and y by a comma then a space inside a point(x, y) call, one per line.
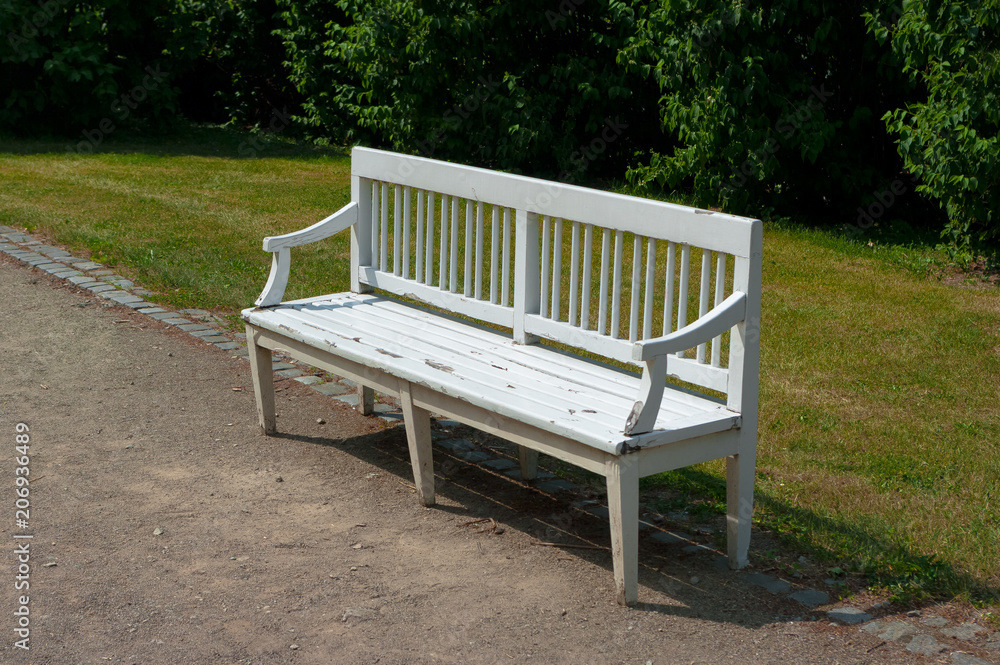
point(281, 260)
point(723, 316)
point(653, 352)
point(335, 223)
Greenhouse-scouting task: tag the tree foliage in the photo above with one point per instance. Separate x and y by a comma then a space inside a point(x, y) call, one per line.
point(948, 134)
point(71, 65)
point(798, 107)
point(766, 106)
point(514, 85)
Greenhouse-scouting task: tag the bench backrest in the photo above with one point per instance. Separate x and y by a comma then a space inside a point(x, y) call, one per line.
point(591, 269)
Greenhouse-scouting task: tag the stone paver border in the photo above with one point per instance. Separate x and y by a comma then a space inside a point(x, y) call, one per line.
point(920, 637)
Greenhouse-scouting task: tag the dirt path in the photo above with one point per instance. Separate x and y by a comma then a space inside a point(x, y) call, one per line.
point(180, 534)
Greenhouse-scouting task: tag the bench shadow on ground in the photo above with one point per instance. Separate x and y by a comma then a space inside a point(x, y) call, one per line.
point(698, 582)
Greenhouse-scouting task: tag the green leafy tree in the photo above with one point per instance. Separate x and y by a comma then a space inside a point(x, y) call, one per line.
point(531, 85)
point(766, 106)
point(72, 66)
point(948, 134)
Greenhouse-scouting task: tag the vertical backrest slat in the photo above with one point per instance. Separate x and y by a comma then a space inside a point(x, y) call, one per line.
point(526, 277)
point(588, 260)
point(495, 255)
point(418, 254)
point(616, 289)
point(397, 235)
point(429, 242)
point(505, 280)
point(682, 295)
point(574, 274)
point(376, 197)
point(480, 213)
point(557, 268)
point(546, 248)
point(467, 291)
point(443, 257)
point(704, 292)
point(602, 322)
point(668, 289)
point(720, 293)
point(454, 245)
point(633, 311)
point(384, 230)
point(406, 231)
point(647, 313)
point(361, 236)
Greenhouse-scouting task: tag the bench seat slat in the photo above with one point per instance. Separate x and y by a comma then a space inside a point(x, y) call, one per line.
point(492, 375)
point(486, 388)
point(441, 336)
point(567, 365)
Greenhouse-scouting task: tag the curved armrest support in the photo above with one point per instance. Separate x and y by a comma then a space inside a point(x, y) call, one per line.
point(281, 260)
point(724, 316)
point(653, 352)
point(335, 223)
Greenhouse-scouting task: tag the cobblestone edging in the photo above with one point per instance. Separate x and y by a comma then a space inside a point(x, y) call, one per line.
point(99, 280)
point(927, 635)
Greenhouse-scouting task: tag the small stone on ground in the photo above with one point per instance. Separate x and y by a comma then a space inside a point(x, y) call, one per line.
point(967, 631)
point(925, 645)
point(962, 658)
point(810, 597)
point(772, 584)
point(456, 445)
point(896, 630)
point(848, 615)
point(331, 388)
point(671, 538)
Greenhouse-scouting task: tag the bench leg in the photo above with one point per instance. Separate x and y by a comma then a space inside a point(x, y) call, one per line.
point(263, 382)
point(366, 400)
point(418, 438)
point(739, 506)
point(623, 504)
point(529, 462)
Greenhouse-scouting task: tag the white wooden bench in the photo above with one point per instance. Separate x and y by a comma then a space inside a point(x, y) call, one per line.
point(533, 286)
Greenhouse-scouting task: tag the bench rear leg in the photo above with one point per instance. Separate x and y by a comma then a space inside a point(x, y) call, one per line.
point(263, 382)
point(366, 400)
point(529, 462)
point(739, 506)
point(418, 438)
point(623, 504)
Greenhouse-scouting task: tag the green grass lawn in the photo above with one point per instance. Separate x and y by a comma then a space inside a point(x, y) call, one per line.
point(880, 398)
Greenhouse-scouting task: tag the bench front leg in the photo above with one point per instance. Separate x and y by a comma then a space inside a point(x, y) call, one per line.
point(418, 438)
point(740, 471)
point(263, 382)
point(623, 504)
